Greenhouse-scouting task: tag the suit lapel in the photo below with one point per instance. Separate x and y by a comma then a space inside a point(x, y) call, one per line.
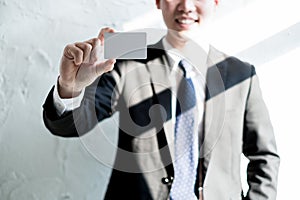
point(214, 104)
point(159, 69)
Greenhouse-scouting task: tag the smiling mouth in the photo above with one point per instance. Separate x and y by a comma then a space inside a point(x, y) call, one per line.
point(186, 21)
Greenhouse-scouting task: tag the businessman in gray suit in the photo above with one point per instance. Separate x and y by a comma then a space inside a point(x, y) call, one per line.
point(185, 148)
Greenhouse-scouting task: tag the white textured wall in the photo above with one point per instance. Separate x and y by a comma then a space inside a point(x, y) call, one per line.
point(33, 163)
point(36, 165)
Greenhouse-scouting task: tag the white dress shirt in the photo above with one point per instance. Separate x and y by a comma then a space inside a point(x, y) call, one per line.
point(198, 79)
point(62, 105)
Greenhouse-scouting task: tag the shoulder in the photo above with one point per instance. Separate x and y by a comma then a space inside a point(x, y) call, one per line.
point(231, 64)
point(231, 69)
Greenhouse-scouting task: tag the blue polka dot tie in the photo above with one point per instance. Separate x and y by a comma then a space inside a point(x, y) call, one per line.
point(186, 141)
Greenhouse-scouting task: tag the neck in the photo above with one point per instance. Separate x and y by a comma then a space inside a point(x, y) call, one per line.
point(177, 40)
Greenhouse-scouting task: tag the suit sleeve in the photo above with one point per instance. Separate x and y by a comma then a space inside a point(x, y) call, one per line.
point(98, 103)
point(259, 146)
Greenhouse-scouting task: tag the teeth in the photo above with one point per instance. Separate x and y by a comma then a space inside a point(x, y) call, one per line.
point(186, 21)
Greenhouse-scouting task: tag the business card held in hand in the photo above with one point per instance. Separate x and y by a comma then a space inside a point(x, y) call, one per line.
point(125, 45)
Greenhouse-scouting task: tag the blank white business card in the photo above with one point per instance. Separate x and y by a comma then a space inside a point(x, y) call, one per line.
point(125, 45)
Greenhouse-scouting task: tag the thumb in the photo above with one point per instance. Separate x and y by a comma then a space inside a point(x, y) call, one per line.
point(106, 66)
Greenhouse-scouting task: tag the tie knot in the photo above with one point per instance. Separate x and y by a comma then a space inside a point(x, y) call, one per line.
point(185, 67)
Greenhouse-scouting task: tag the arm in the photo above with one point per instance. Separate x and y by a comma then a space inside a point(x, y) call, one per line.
point(95, 106)
point(259, 146)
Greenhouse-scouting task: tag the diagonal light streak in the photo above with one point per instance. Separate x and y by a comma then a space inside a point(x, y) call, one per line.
point(273, 47)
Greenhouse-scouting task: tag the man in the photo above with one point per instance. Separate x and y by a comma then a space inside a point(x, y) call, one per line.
point(157, 146)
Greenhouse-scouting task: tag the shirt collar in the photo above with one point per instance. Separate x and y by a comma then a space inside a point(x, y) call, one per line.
point(174, 55)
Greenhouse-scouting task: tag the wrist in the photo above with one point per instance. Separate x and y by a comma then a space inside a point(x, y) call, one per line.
point(67, 90)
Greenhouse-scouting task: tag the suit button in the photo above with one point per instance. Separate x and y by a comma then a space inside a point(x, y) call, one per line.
point(167, 180)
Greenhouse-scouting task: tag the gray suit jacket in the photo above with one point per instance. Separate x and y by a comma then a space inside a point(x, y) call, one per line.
point(236, 121)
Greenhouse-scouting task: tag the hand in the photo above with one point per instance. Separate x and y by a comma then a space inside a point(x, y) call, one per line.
point(81, 64)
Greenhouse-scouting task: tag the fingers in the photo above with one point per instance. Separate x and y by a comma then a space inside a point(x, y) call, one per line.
point(104, 30)
point(86, 49)
point(73, 53)
point(95, 53)
point(83, 52)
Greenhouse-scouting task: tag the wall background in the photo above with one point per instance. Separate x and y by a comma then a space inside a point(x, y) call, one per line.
point(36, 165)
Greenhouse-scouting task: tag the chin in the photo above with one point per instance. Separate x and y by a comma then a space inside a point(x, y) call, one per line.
point(192, 29)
